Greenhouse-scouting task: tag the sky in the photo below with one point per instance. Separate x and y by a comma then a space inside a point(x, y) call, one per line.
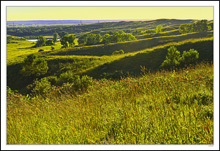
point(107, 13)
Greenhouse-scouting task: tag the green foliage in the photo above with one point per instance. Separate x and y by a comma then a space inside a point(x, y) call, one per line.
point(118, 52)
point(40, 50)
point(172, 58)
point(159, 29)
point(150, 31)
point(90, 39)
point(10, 92)
point(82, 83)
point(52, 79)
point(62, 34)
point(77, 82)
point(71, 39)
point(189, 57)
point(118, 37)
point(199, 26)
point(34, 66)
point(67, 77)
point(64, 41)
point(41, 41)
point(67, 41)
point(40, 87)
point(55, 36)
point(52, 48)
point(49, 42)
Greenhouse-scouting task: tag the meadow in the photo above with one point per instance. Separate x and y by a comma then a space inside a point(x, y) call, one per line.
point(96, 97)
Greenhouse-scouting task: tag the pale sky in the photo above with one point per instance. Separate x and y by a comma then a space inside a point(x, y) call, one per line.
point(107, 13)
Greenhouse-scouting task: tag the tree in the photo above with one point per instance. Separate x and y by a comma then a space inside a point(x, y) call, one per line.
point(98, 38)
point(71, 40)
point(41, 41)
point(34, 66)
point(49, 42)
point(159, 28)
point(189, 57)
point(172, 58)
point(64, 41)
point(55, 36)
point(82, 39)
point(201, 26)
point(62, 34)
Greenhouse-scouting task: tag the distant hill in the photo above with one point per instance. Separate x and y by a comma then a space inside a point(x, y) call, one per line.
point(89, 26)
point(56, 22)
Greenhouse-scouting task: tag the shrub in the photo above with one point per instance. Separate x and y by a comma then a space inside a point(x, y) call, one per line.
point(49, 42)
point(40, 87)
point(40, 50)
point(41, 41)
point(189, 57)
point(82, 83)
point(172, 58)
point(75, 82)
point(52, 79)
point(10, 92)
point(34, 66)
point(118, 52)
point(67, 77)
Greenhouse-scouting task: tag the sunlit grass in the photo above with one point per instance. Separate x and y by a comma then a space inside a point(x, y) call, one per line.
point(161, 108)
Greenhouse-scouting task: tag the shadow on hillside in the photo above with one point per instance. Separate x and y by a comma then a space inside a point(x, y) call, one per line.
point(130, 46)
point(151, 60)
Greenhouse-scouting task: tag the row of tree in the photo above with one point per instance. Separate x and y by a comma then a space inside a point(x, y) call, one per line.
point(199, 26)
point(110, 37)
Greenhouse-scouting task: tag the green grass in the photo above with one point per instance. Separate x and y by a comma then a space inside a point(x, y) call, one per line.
point(18, 50)
point(166, 33)
point(160, 108)
point(150, 59)
point(131, 46)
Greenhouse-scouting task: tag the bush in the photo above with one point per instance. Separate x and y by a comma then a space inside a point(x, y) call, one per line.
point(10, 92)
point(52, 79)
point(82, 83)
point(40, 87)
point(40, 50)
point(49, 42)
point(67, 77)
point(172, 58)
point(34, 66)
point(118, 52)
point(75, 82)
point(189, 57)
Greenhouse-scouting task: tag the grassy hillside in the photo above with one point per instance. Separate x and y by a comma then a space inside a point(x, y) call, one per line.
point(105, 66)
point(131, 46)
point(165, 33)
point(160, 108)
point(151, 59)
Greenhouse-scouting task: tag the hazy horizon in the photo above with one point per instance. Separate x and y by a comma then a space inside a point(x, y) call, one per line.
point(107, 13)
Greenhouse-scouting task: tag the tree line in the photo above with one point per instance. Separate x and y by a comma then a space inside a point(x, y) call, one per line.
point(199, 26)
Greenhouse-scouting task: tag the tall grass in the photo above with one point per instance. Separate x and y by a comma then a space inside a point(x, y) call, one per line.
point(161, 108)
